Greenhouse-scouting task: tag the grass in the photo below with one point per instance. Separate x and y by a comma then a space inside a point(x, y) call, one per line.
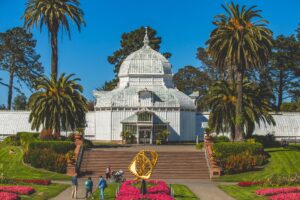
point(109, 192)
point(11, 165)
point(182, 192)
point(242, 193)
point(282, 161)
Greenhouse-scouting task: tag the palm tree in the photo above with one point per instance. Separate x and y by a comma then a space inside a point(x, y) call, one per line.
point(55, 14)
point(222, 100)
point(58, 104)
point(242, 43)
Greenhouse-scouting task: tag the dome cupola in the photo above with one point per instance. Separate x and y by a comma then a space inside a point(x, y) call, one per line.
point(143, 64)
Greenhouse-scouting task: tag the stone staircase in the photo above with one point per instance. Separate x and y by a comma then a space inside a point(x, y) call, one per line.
point(170, 165)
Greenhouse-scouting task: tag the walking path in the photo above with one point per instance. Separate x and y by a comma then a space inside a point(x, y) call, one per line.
point(203, 189)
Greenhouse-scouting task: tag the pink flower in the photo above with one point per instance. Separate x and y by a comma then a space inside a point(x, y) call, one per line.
point(247, 184)
point(39, 182)
point(288, 196)
point(8, 196)
point(274, 191)
point(24, 190)
point(159, 191)
point(160, 188)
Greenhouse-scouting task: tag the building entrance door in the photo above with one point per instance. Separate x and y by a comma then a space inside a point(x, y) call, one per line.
point(145, 136)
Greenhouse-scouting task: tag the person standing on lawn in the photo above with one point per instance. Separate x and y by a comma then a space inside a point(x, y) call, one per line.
point(88, 187)
point(102, 185)
point(74, 186)
point(108, 173)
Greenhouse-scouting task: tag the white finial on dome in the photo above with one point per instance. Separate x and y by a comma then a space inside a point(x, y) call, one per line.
point(146, 39)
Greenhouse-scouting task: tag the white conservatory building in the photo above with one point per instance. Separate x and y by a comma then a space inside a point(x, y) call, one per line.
point(145, 101)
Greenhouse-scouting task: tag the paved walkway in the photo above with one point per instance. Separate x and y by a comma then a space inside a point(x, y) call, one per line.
point(66, 194)
point(204, 189)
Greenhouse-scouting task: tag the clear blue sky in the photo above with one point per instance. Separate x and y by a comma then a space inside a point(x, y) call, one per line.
point(183, 25)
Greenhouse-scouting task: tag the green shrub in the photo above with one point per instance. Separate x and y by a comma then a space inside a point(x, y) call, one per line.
point(233, 156)
point(276, 180)
point(87, 143)
point(267, 141)
point(199, 145)
point(61, 147)
point(217, 139)
point(26, 138)
point(129, 137)
point(162, 135)
point(47, 159)
point(12, 140)
point(241, 162)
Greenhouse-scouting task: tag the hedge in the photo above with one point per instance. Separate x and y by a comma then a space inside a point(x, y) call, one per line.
point(217, 139)
point(27, 137)
point(60, 147)
point(267, 141)
point(47, 159)
point(238, 156)
point(12, 140)
point(199, 145)
point(223, 150)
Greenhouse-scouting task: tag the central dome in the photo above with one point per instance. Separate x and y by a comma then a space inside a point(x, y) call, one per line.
point(145, 61)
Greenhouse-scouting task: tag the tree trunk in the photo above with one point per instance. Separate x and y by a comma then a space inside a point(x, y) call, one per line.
point(54, 53)
point(280, 90)
point(10, 88)
point(239, 135)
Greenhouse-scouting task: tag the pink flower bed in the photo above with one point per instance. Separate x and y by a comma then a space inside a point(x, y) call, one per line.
point(288, 196)
point(274, 191)
point(8, 196)
point(160, 188)
point(24, 190)
point(248, 184)
point(39, 182)
point(159, 191)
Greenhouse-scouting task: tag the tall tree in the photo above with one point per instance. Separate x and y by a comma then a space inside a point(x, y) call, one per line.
point(190, 79)
point(20, 102)
point(222, 99)
point(209, 65)
point(241, 40)
point(19, 59)
point(130, 42)
point(58, 104)
point(283, 68)
point(55, 15)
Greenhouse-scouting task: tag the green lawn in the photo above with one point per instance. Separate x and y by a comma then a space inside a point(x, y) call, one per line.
point(283, 161)
point(181, 192)
point(242, 193)
point(12, 166)
point(109, 192)
point(44, 192)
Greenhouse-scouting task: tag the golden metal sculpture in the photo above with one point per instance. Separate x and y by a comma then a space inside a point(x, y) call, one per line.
point(143, 163)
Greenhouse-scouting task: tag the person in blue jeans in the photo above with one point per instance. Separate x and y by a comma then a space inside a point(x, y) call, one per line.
point(102, 185)
point(74, 186)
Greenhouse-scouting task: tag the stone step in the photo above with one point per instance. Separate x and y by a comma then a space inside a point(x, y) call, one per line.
point(171, 165)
